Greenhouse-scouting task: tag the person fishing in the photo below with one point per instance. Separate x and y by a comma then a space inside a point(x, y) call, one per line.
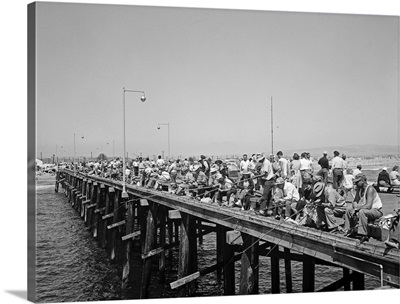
point(367, 206)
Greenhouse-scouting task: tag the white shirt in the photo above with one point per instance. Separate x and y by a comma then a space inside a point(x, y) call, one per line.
point(244, 164)
point(356, 171)
point(251, 166)
point(348, 181)
point(160, 162)
point(337, 163)
point(394, 175)
point(267, 167)
point(290, 192)
point(305, 164)
point(284, 166)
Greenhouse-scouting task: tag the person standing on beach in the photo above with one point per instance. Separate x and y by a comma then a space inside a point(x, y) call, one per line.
point(324, 163)
point(367, 206)
point(337, 168)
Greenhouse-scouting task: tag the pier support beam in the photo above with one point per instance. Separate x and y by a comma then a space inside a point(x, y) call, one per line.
point(187, 253)
point(221, 240)
point(127, 265)
point(231, 240)
point(161, 268)
point(108, 221)
point(358, 280)
point(308, 274)
point(114, 239)
point(346, 277)
point(90, 208)
point(288, 271)
point(249, 265)
point(275, 274)
point(151, 228)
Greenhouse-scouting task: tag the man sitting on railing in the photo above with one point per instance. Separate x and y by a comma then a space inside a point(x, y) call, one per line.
point(333, 206)
point(226, 188)
point(246, 190)
point(188, 182)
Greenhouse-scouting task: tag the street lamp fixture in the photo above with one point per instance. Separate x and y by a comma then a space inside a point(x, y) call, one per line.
point(143, 99)
point(158, 127)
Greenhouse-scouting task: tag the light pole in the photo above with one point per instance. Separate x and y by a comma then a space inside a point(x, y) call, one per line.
point(158, 127)
point(143, 99)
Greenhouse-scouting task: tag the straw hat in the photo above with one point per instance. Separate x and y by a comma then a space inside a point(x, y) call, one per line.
point(318, 189)
point(213, 170)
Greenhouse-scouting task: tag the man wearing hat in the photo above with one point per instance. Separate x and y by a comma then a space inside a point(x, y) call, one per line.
point(383, 178)
point(291, 196)
point(201, 180)
point(205, 165)
point(187, 182)
point(213, 183)
point(367, 206)
point(226, 188)
point(332, 206)
point(246, 188)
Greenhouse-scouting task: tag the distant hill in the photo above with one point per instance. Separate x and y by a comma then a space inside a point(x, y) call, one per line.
point(352, 150)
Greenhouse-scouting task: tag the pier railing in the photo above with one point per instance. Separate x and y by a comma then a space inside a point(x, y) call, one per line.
point(181, 221)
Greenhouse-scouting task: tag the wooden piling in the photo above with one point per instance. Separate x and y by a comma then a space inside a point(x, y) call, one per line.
point(249, 265)
point(229, 264)
point(90, 207)
point(100, 211)
point(288, 271)
point(199, 231)
point(151, 226)
point(187, 253)
point(221, 235)
point(275, 277)
point(57, 181)
point(127, 264)
point(162, 216)
point(114, 232)
point(89, 187)
point(108, 221)
point(143, 210)
point(346, 277)
point(358, 280)
point(308, 274)
point(170, 238)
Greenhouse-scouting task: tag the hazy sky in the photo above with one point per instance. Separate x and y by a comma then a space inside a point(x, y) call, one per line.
point(210, 73)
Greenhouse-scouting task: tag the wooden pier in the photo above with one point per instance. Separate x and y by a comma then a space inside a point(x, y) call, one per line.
point(159, 221)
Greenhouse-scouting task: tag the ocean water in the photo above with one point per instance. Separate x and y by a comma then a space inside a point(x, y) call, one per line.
point(71, 267)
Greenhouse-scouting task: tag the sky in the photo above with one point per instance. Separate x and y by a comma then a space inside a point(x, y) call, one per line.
point(211, 74)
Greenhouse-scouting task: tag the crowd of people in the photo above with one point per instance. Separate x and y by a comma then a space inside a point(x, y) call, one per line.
point(292, 190)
